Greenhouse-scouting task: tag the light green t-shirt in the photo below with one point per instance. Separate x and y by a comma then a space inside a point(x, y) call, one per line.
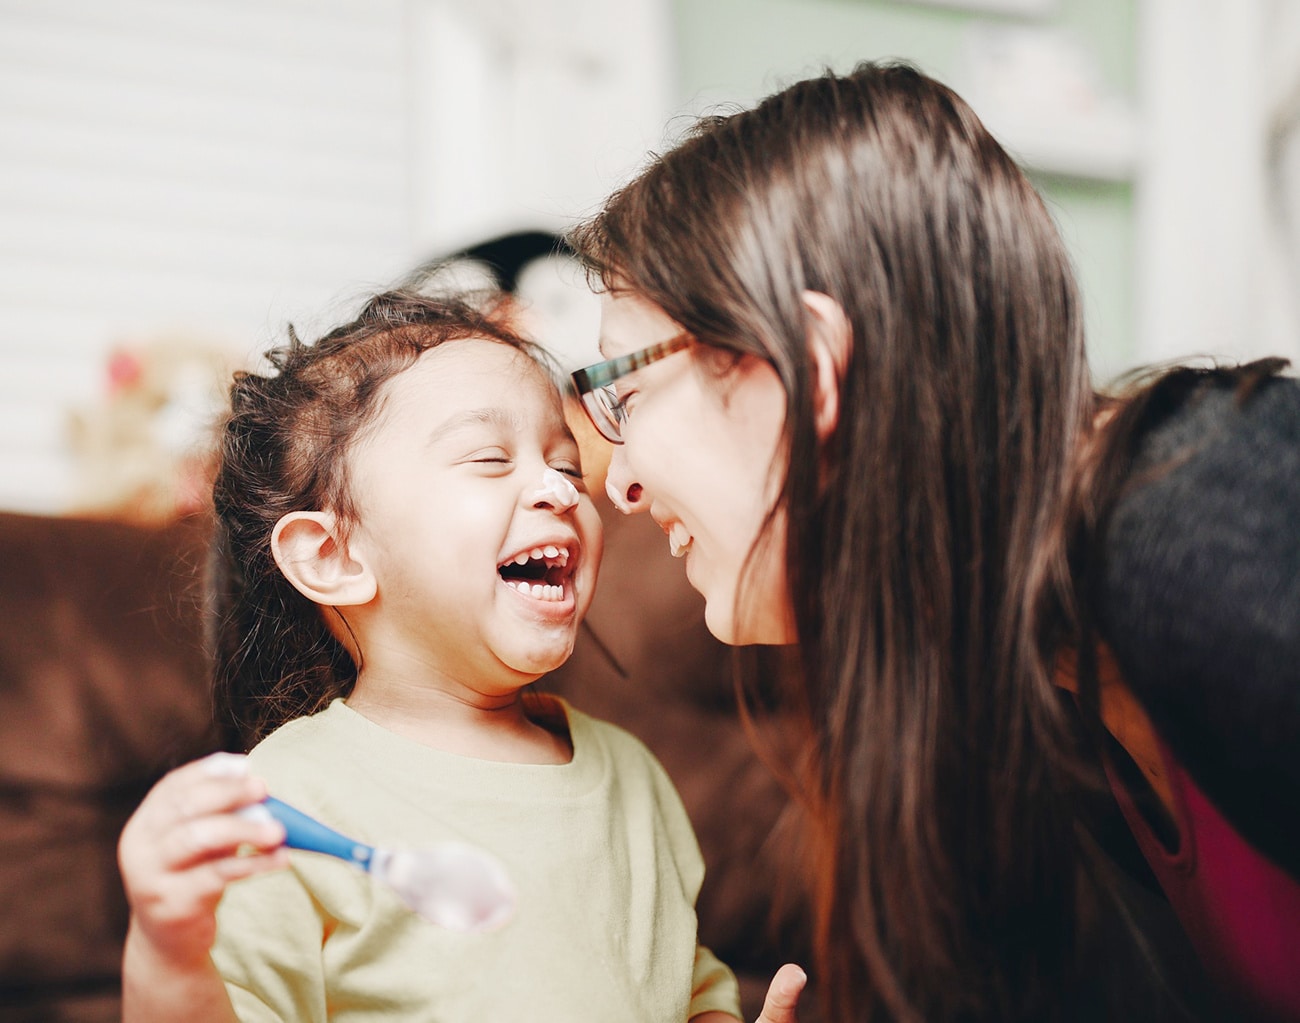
point(600, 850)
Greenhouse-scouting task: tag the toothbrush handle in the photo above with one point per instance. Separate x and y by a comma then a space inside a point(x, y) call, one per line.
point(303, 832)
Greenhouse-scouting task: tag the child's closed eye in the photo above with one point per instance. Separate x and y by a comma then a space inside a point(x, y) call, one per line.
point(492, 460)
point(491, 453)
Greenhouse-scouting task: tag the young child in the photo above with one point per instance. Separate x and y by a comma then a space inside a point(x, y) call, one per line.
point(404, 545)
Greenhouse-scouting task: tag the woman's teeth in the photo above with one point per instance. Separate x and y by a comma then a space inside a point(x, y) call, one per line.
point(679, 541)
point(538, 591)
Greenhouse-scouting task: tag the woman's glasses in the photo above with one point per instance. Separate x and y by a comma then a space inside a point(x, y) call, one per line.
point(595, 384)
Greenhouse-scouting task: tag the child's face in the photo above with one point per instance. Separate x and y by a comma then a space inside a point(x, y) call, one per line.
point(455, 483)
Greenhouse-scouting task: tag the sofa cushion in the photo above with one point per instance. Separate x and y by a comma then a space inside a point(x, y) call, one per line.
point(103, 687)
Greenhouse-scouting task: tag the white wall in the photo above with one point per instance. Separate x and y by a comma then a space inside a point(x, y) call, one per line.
point(202, 168)
point(212, 168)
point(1218, 249)
point(532, 111)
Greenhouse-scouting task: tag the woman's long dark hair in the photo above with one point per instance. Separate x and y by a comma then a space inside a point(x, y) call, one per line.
point(283, 448)
point(924, 546)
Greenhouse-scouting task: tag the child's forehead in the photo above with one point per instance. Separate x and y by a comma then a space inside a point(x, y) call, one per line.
point(475, 372)
point(471, 353)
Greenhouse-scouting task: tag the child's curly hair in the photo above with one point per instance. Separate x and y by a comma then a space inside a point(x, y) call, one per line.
point(283, 448)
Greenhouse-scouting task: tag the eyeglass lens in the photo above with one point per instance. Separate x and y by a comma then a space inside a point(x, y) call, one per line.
point(606, 413)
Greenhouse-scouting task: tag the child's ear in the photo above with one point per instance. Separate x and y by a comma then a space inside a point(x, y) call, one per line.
point(830, 340)
point(307, 547)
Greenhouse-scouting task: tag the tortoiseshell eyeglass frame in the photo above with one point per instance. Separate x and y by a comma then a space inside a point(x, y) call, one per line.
point(595, 384)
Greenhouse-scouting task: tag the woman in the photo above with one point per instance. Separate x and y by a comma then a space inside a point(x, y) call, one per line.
point(846, 374)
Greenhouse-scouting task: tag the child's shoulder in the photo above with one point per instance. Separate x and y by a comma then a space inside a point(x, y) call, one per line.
point(303, 739)
point(617, 742)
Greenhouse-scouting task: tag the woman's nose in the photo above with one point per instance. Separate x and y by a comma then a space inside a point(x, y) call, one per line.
point(626, 494)
point(556, 492)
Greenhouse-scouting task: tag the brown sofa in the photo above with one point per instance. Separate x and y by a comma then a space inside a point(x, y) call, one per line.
point(103, 687)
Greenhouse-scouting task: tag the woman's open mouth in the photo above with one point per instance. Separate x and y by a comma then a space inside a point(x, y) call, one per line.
point(542, 573)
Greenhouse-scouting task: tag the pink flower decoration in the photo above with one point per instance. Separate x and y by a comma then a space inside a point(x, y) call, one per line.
point(124, 370)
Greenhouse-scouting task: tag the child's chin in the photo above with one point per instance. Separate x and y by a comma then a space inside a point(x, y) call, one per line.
point(541, 661)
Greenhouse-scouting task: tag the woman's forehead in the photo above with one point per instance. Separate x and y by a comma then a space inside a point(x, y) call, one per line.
point(630, 322)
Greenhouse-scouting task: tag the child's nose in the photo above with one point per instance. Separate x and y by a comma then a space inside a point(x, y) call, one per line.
point(556, 492)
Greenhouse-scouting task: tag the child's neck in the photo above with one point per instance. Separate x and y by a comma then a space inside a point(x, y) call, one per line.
point(465, 723)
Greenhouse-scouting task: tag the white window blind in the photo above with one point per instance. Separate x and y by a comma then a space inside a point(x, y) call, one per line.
point(198, 168)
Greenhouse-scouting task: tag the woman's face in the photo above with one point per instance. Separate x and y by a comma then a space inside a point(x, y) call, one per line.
point(700, 453)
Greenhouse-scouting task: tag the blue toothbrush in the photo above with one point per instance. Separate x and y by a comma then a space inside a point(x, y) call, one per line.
point(453, 884)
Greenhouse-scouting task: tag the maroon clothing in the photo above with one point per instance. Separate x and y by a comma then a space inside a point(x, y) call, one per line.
point(1240, 910)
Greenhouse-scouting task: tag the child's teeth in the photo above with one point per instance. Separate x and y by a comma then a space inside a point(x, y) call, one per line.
point(538, 553)
point(538, 591)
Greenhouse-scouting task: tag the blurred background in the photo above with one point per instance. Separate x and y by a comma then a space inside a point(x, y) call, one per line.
point(181, 178)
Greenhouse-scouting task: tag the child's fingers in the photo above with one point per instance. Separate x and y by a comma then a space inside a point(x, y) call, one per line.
point(196, 890)
point(176, 877)
point(190, 816)
point(215, 837)
point(185, 843)
point(233, 868)
point(215, 784)
point(178, 911)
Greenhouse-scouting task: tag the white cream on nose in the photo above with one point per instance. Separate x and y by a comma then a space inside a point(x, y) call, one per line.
point(617, 499)
point(557, 490)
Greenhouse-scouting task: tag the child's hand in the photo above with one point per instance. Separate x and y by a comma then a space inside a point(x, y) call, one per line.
point(181, 848)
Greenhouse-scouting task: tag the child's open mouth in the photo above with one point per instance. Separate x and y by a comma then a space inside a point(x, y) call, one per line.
point(541, 573)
